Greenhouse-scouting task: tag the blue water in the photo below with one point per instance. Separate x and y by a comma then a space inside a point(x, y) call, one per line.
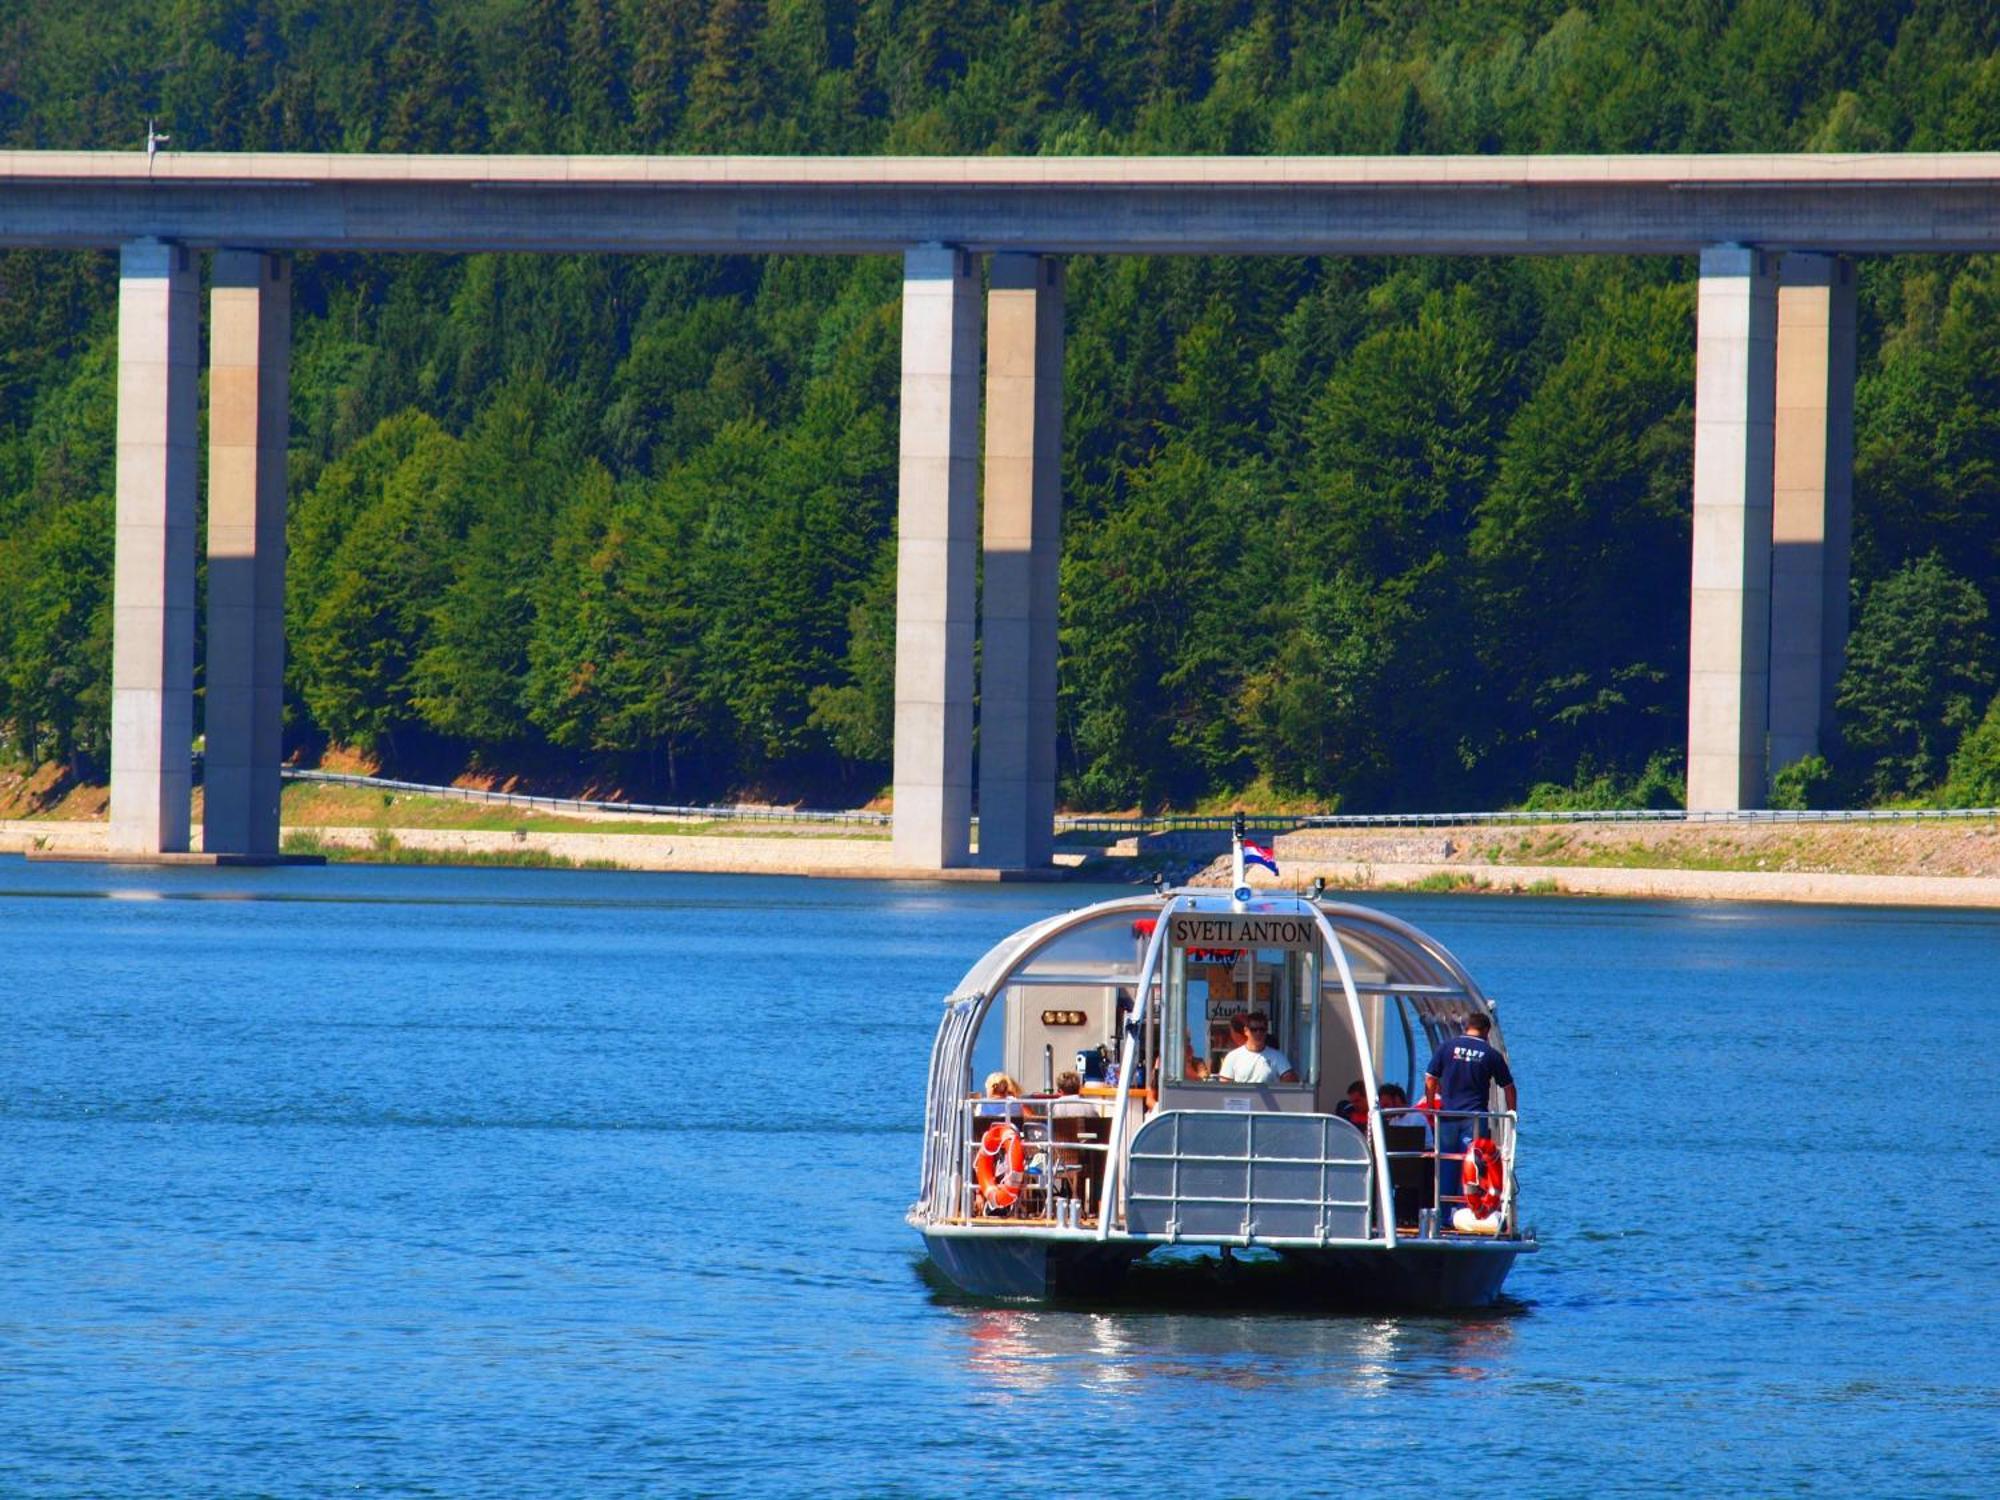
point(407, 1182)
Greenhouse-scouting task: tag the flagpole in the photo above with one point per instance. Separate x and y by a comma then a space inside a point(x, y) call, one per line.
point(1236, 854)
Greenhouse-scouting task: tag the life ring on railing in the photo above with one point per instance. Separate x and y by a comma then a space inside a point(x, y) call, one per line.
point(1484, 1177)
point(1000, 1187)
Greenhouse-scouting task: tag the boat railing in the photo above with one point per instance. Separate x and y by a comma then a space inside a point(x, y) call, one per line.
point(1057, 1184)
point(1060, 1184)
point(1447, 1165)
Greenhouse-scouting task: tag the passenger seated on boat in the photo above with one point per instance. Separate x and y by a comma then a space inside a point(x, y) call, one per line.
point(1397, 1114)
point(1256, 1061)
point(1076, 1121)
point(1002, 1088)
point(1069, 1098)
point(1406, 1137)
point(1194, 1067)
point(1354, 1108)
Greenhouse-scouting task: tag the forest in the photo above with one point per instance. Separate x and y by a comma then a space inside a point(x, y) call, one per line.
point(1345, 534)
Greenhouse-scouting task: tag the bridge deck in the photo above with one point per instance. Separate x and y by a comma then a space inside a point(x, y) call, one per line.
point(1143, 205)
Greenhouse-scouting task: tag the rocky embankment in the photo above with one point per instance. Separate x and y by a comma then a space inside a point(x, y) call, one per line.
point(1947, 863)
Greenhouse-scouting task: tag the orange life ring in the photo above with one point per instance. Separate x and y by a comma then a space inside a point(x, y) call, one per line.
point(1484, 1176)
point(1000, 1188)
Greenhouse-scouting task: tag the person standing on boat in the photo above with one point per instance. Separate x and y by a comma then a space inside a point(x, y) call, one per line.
point(1256, 1061)
point(1460, 1080)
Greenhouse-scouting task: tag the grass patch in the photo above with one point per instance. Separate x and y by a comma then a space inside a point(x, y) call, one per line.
point(1445, 881)
point(384, 850)
point(1668, 857)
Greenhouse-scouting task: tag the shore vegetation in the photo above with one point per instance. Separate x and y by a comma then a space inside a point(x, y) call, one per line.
point(1353, 534)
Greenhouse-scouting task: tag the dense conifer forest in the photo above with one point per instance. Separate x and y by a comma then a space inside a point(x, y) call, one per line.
point(1356, 533)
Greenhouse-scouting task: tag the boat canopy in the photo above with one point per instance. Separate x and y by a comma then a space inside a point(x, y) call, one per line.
point(1094, 936)
point(1095, 944)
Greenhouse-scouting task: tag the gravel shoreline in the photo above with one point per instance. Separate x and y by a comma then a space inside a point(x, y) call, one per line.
point(1877, 864)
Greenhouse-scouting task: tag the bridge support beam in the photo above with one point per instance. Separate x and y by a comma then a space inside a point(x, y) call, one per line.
point(152, 670)
point(248, 425)
point(1023, 552)
point(1812, 500)
point(937, 528)
point(1729, 646)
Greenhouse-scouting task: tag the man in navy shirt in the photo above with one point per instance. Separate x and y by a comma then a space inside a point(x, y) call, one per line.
point(1461, 1076)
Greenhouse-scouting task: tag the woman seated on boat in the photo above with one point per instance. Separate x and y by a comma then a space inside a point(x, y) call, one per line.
point(1256, 1061)
point(1000, 1086)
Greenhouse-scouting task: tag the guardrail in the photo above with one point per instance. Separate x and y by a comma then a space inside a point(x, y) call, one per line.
point(1127, 823)
point(736, 814)
point(1265, 823)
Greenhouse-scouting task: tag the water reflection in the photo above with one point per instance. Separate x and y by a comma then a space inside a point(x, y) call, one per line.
point(1014, 1352)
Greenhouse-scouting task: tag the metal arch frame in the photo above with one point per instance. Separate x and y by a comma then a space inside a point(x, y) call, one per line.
point(1385, 1198)
point(1415, 936)
point(1135, 1027)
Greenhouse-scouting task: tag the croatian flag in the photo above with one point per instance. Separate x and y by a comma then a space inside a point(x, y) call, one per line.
point(1259, 854)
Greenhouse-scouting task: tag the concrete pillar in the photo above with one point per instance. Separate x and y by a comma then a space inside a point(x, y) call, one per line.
point(250, 338)
point(1729, 646)
point(152, 670)
point(937, 521)
point(1023, 551)
point(1812, 500)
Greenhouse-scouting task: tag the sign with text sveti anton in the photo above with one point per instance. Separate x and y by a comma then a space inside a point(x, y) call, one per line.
point(1242, 930)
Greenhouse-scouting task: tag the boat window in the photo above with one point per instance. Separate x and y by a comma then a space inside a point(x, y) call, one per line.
point(1113, 945)
point(1207, 987)
point(1404, 1048)
point(1289, 998)
point(1063, 1007)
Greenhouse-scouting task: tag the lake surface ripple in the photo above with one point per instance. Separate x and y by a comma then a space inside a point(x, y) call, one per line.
point(411, 1182)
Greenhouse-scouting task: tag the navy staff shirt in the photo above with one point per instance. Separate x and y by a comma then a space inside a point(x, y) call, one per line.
point(1466, 1067)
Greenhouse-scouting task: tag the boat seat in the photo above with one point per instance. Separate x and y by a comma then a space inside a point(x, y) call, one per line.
point(1410, 1177)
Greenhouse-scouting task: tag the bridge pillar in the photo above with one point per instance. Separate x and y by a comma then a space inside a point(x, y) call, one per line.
point(1023, 552)
point(1729, 645)
point(1812, 500)
point(936, 529)
point(152, 669)
point(250, 336)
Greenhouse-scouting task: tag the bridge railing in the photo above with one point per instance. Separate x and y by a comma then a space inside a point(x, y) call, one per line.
point(1123, 824)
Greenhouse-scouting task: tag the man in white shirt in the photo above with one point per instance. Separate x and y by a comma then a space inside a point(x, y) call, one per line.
point(1256, 1061)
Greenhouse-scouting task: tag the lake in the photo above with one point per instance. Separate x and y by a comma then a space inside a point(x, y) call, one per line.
point(412, 1182)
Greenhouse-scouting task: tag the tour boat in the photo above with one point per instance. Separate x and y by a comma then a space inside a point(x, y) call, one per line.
point(1048, 1193)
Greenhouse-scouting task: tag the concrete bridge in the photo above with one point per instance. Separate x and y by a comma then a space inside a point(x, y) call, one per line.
point(1773, 400)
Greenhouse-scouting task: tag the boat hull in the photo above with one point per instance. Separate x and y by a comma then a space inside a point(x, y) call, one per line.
point(1438, 1276)
point(1035, 1267)
point(1431, 1275)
